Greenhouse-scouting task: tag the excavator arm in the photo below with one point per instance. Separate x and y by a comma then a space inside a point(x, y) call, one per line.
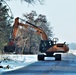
point(11, 44)
point(30, 26)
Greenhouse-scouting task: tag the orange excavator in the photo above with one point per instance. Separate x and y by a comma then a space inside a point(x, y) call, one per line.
point(47, 47)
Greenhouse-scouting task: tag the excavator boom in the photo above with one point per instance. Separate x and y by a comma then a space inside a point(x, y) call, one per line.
point(30, 26)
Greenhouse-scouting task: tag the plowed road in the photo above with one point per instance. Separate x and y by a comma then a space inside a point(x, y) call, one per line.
point(49, 67)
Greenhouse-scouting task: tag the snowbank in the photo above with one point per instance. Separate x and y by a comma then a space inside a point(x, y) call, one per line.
point(16, 61)
point(18, 57)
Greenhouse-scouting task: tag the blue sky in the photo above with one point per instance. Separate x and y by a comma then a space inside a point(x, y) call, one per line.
point(60, 13)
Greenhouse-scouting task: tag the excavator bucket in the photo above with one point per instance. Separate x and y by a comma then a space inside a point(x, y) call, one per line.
point(9, 48)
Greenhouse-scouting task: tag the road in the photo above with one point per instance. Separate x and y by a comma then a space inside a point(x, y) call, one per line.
point(49, 67)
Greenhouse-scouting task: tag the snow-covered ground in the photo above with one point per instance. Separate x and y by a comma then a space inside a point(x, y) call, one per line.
point(19, 61)
point(16, 61)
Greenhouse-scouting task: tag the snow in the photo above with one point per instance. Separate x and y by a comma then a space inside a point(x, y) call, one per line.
point(16, 61)
point(19, 61)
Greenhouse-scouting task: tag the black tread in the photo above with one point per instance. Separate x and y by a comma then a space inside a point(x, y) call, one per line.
point(57, 57)
point(40, 57)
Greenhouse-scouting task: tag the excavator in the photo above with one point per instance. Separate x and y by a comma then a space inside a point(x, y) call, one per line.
point(47, 47)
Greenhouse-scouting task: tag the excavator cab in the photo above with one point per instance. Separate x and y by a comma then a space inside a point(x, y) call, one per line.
point(45, 45)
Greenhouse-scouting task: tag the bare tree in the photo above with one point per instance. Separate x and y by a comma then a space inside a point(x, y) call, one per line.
point(32, 45)
point(32, 1)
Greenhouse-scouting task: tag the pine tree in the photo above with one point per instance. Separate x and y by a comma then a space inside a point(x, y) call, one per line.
point(5, 24)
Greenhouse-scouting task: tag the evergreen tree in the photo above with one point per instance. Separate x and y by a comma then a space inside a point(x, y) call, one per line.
point(5, 24)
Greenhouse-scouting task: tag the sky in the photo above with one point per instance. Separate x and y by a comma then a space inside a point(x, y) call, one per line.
point(60, 13)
